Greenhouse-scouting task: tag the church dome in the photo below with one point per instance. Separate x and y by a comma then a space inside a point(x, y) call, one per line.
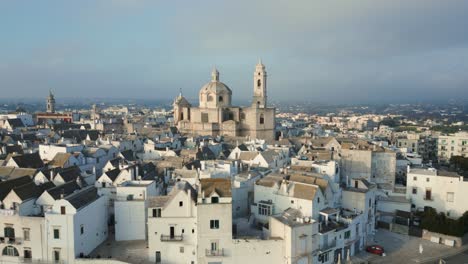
point(215, 93)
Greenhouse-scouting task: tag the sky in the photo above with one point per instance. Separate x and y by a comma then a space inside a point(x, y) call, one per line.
point(318, 51)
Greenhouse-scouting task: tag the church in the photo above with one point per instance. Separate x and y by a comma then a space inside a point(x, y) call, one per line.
point(216, 116)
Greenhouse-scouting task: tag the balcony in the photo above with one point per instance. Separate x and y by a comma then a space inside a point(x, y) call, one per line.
point(7, 212)
point(166, 238)
point(327, 246)
point(214, 253)
point(11, 240)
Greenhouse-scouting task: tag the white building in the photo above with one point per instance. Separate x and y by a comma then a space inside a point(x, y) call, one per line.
point(442, 190)
point(130, 208)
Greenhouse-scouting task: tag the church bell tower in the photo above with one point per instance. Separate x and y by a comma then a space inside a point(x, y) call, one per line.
point(51, 102)
point(260, 93)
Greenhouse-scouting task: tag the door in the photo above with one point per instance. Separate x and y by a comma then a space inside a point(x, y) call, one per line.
point(172, 232)
point(158, 256)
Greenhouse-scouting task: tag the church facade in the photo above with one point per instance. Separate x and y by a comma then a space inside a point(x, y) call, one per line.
point(216, 116)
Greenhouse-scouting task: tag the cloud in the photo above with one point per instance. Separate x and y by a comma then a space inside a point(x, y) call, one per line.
point(333, 50)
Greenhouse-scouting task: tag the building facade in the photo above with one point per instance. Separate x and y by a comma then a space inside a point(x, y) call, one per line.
point(217, 116)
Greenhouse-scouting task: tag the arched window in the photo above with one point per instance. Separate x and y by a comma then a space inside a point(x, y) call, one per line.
point(10, 251)
point(220, 99)
point(262, 119)
point(210, 98)
point(259, 83)
point(182, 116)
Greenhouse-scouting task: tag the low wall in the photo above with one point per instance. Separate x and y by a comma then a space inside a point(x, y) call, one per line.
point(445, 239)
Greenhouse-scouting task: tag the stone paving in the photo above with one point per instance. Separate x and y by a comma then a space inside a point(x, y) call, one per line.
point(126, 251)
point(405, 249)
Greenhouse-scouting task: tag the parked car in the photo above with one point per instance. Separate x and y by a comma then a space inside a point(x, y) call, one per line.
point(376, 249)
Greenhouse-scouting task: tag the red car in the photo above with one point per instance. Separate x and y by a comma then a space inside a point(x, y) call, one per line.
point(376, 249)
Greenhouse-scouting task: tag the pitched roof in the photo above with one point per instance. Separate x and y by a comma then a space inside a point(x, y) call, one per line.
point(269, 155)
point(304, 191)
point(28, 160)
point(70, 173)
point(13, 172)
point(30, 190)
point(247, 155)
point(15, 122)
point(65, 189)
point(113, 174)
point(60, 159)
point(270, 180)
point(83, 198)
point(310, 179)
point(221, 186)
point(128, 155)
point(162, 201)
point(7, 186)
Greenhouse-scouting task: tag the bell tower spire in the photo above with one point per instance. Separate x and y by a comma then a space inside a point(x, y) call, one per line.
point(259, 90)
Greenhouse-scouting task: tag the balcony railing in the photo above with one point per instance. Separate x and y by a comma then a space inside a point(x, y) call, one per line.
point(11, 240)
point(7, 212)
point(215, 253)
point(166, 238)
point(327, 246)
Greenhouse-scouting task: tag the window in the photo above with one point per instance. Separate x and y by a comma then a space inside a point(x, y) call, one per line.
point(56, 233)
point(204, 117)
point(428, 194)
point(181, 249)
point(318, 199)
point(262, 119)
point(220, 98)
point(450, 197)
point(215, 199)
point(347, 234)
point(27, 253)
point(57, 254)
point(157, 212)
point(427, 180)
point(158, 256)
point(181, 203)
point(26, 234)
point(323, 258)
point(82, 229)
point(415, 178)
point(415, 190)
point(242, 116)
point(214, 245)
point(10, 251)
point(62, 210)
point(264, 209)
point(214, 224)
point(9, 231)
point(259, 83)
point(210, 98)
point(193, 231)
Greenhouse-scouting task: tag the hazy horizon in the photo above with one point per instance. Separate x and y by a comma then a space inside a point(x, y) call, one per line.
point(319, 51)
